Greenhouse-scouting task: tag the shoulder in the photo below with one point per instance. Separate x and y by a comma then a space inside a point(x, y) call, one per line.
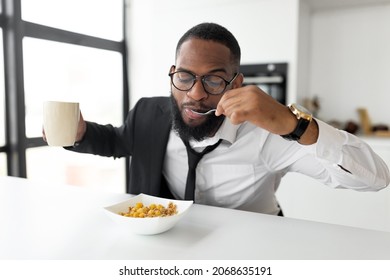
point(152, 103)
point(154, 100)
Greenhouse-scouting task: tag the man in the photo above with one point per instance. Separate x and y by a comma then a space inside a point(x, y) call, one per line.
point(258, 139)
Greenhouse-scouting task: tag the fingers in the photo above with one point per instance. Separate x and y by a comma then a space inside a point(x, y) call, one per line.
point(251, 104)
point(43, 134)
point(237, 105)
point(82, 128)
point(235, 112)
point(227, 103)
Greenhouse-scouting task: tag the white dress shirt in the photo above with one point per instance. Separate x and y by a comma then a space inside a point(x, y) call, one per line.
point(245, 170)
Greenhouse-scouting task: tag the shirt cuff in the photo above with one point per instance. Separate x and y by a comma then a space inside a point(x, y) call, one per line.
point(330, 143)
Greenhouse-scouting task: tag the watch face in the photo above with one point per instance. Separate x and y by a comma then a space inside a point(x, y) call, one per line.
point(304, 117)
point(301, 112)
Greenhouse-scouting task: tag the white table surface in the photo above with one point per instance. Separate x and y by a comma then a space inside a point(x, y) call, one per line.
point(38, 221)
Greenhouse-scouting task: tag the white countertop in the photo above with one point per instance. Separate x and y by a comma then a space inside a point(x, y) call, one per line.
point(66, 222)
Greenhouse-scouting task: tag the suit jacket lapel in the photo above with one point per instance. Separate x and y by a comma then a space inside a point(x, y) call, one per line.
point(150, 147)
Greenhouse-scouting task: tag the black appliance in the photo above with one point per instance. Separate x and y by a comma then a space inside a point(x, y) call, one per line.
point(270, 77)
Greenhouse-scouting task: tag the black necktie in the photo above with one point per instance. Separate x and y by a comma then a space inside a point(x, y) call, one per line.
point(193, 160)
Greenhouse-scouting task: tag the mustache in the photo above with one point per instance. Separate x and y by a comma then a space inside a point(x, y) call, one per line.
point(199, 132)
point(190, 104)
point(198, 106)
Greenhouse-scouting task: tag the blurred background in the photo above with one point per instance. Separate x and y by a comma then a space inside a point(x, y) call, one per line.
point(61, 50)
point(332, 56)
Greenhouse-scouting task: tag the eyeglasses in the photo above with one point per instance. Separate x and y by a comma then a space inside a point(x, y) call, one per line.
point(212, 84)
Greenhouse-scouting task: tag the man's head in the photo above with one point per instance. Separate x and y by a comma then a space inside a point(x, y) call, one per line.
point(207, 64)
point(216, 33)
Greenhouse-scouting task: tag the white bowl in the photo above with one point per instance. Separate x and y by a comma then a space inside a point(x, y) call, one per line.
point(148, 226)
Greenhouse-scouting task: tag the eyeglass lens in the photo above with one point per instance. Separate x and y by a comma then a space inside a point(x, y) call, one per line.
point(212, 84)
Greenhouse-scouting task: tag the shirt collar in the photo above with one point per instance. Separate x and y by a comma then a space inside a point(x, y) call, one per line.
point(227, 132)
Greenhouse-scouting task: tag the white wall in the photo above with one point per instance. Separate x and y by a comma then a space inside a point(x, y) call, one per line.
point(350, 62)
point(303, 62)
point(265, 29)
point(340, 55)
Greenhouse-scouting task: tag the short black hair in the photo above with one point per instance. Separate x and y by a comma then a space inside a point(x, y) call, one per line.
point(213, 32)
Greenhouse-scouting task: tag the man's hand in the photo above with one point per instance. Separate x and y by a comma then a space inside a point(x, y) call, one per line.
point(251, 104)
point(82, 128)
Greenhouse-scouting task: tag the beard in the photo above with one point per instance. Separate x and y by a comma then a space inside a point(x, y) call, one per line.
point(199, 132)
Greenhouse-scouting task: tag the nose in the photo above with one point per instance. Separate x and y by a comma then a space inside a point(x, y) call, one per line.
point(197, 92)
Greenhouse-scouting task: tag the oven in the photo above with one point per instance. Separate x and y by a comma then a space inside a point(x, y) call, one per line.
point(270, 77)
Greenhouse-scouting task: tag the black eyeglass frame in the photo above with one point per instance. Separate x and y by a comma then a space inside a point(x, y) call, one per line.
point(196, 77)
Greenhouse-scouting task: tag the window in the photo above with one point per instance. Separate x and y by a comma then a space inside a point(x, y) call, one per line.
point(3, 162)
point(62, 50)
point(57, 71)
point(100, 18)
point(3, 165)
point(2, 96)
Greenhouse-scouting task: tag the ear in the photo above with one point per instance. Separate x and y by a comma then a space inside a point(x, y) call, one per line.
point(172, 69)
point(238, 81)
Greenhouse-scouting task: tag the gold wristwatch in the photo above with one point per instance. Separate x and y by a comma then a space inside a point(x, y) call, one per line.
point(304, 118)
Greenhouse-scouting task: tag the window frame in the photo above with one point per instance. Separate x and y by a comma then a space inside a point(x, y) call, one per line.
point(14, 30)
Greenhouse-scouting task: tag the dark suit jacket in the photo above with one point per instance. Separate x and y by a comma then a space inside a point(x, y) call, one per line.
point(143, 136)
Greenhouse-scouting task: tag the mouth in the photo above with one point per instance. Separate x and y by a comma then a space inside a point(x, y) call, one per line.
point(200, 110)
point(195, 114)
point(209, 112)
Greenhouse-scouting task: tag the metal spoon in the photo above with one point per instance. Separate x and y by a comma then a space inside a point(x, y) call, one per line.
point(205, 113)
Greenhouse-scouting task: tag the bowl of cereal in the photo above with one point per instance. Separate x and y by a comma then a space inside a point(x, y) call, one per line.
point(146, 214)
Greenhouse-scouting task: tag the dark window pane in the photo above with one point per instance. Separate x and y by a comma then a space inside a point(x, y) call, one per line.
point(2, 93)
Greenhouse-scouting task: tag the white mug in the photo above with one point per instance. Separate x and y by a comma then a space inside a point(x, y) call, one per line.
point(60, 122)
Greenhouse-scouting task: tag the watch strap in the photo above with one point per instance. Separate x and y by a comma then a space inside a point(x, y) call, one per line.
point(298, 131)
point(304, 118)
